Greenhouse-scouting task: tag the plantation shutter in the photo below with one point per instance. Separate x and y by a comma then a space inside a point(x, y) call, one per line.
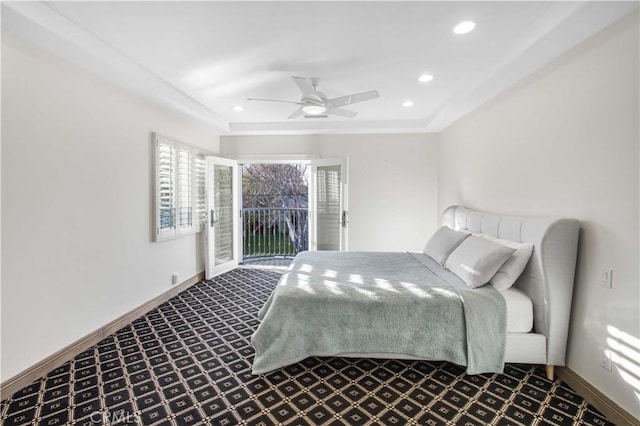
point(329, 207)
point(180, 189)
point(201, 195)
point(184, 194)
point(223, 176)
point(329, 213)
point(166, 191)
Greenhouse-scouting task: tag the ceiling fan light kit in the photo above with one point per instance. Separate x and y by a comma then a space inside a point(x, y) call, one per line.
point(314, 109)
point(315, 103)
point(464, 27)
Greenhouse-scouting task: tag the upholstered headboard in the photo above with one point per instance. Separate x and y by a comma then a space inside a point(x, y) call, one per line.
point(548, 277)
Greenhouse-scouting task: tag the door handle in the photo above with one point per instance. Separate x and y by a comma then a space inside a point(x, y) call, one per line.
point(212, 218)
point(343, 219)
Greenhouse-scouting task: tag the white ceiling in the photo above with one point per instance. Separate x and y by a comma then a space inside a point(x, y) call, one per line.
point(204, 58)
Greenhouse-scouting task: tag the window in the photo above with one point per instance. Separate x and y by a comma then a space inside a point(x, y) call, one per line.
point(180, 205)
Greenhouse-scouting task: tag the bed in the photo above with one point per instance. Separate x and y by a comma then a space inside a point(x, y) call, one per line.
point(407, 306)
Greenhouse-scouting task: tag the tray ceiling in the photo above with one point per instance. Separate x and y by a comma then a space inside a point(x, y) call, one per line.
point(205, 58)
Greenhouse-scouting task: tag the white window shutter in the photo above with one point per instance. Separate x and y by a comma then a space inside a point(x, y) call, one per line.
point(200, 204)
point(180, 194)
point(184, 194)
point(165, 189)
point(328, 206)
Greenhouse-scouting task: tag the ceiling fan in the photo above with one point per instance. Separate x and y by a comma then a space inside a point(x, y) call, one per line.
point(315, 103)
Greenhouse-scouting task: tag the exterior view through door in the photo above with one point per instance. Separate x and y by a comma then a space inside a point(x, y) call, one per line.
point(286, 208)
point(275, 212)
point(290, 207)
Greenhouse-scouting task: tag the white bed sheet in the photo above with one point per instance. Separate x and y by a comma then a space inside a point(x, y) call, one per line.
point(519, 311)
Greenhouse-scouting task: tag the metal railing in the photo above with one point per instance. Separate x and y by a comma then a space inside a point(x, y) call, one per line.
point(270, 232)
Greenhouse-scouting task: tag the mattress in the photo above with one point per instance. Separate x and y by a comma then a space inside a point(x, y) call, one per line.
point(519, 311)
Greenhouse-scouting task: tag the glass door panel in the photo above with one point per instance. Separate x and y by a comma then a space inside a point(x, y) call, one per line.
point(330, 204)
point(222, 222)
point(223, 213)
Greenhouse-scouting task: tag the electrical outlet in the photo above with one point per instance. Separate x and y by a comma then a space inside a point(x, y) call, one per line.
point(174, 279)
point(605, 359)
point(606, 277)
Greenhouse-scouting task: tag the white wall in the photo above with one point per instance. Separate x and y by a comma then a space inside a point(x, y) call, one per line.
point(565, 143)
point(392, 182)
point(76, 204)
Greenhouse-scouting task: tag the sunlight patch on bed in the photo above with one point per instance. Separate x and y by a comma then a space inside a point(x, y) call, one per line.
point(330, 273)
point(305, 267)
point(333, 287)
point(370, 294)
point(385, 285)
point(469, 269)
point(304, 285)
point(356, 279)
point(414, 289)
point(283, 281)
point(445, 292)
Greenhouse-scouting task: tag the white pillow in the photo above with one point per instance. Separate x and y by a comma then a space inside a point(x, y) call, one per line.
point(476, 260)
point(443, 242)
point(513, 267)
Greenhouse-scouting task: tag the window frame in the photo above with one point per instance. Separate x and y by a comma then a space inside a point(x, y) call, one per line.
point(195, 222)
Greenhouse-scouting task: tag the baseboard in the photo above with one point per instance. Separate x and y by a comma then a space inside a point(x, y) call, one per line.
point(20, 380)
point(593, 396)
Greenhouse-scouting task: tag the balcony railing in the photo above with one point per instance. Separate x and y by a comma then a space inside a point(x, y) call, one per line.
point(271, 232)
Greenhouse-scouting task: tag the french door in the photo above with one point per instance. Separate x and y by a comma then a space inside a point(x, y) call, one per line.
point(329, 206)
point(223, 250)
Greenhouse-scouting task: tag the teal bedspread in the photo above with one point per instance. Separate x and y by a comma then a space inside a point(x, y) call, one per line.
point(330, 303)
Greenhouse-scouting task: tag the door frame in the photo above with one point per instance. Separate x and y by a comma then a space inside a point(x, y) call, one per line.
point(211, 269)
point(313, 161)
point(343, 162)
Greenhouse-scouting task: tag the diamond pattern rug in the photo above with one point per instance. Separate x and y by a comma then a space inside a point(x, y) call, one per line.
point(189, 362)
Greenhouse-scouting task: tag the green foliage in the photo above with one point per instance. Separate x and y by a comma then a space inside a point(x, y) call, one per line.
point(265, 245)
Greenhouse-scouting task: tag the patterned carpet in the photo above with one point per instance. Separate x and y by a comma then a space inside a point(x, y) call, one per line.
point(189, 362)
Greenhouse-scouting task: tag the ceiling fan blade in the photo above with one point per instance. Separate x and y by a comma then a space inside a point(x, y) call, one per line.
point(305, 86)
point(275, 100)
point(342, 112)
point(297, 113)
point(351, 99)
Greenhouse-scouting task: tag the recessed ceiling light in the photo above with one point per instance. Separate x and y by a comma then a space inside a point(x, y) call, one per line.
point(238, 108)
point(424, 78)
point(407, 104)
point(464, 27)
